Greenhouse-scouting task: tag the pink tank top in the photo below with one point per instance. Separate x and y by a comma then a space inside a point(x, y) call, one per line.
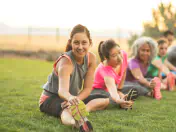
point(102, 71)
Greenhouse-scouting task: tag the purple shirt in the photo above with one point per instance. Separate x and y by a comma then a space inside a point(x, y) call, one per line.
point(132, 64)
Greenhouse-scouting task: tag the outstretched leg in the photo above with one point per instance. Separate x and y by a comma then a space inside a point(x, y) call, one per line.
point(67, 118)
point(97, 104)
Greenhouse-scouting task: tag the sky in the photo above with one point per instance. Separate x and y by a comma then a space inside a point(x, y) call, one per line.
point(95, 14)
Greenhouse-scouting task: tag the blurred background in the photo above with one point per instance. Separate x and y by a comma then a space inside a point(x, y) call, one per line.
point(40, 29)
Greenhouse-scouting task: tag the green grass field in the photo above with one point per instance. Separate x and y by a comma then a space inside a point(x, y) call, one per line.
point(20, 89)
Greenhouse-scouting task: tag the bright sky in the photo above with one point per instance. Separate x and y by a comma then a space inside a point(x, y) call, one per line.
point(95, 14)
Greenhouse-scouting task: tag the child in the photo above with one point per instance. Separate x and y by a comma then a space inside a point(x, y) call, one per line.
point(161, 67)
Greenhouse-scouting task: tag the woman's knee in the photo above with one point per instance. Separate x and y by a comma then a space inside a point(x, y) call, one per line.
point(67, 118)
point(103, 103)
point(106, 101)
point(97, 104)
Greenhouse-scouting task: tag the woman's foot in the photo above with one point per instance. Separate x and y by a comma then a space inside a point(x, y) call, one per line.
point(80, 114)
point(163, 86)
point(156, 90)
point(170, 82)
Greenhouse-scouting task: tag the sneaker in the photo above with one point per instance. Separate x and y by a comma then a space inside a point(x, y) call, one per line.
point(170, 82)
point(86, 126)
point(156, 91)
point(79, 113)
point(132, 95)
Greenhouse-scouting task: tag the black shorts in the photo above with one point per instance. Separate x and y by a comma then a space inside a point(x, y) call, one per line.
point(52, 105)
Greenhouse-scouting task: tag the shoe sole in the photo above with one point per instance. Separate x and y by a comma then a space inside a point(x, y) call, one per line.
point(171, 82)
point(157, 93)
point(79, 113)
point(132, 95)
point(86, 127)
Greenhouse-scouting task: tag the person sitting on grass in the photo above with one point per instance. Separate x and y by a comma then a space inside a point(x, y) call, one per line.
point(161, 67)
point(64, 92)
point(144, 50)
point(109, 77)
point(169, 35)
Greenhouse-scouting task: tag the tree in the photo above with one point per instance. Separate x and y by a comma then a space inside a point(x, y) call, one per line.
point(132, 39)
point(164, 18)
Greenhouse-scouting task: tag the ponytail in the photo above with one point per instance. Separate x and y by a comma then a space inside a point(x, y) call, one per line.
point(100, 51)
point(68, 47)
point(105, 47)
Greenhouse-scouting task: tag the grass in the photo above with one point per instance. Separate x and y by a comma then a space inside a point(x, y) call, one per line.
point(20, 89)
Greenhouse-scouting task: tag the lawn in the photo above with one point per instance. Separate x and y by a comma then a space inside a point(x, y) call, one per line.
point(20, 89)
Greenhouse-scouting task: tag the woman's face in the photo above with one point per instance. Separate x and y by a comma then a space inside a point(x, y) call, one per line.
point(80, 44)
point(170, 39)
point(144, 52)
point(162, 49)
point(115, 57)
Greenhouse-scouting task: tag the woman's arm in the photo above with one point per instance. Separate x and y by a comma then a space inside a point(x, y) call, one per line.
point(87, 88)
point(160, 66)
point(169, 65)
point(64, 78)
point(137, 74)
point(112, 89)
point(122, 81)
point(121, 85)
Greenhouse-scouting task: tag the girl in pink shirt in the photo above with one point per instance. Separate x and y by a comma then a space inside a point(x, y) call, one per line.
point(109, 76)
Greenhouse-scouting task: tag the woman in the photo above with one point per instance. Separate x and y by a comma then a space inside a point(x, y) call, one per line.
point(161, 67)
point(143, 51)
point(64, 91)
point(110, 76)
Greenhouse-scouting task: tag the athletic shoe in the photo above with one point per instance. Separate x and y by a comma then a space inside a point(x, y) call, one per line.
point(170, 82)
point(79, 113)
point(132, 95)
point(156, 91)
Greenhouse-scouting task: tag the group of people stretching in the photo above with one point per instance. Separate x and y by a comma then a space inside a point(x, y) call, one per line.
point(78, 86)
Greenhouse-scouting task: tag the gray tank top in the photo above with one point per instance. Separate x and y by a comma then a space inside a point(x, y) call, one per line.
point(76, 78)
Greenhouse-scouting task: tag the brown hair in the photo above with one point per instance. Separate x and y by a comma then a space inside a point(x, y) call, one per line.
point(168, 32)
point(77, 29)
point(162, 41)
point(104, 48)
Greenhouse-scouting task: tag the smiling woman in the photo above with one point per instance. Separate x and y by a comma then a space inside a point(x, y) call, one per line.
point(144, 50)
point(79, 43)
point(65, 92)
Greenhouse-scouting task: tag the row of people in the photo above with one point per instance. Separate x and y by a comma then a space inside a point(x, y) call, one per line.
point(76, 87)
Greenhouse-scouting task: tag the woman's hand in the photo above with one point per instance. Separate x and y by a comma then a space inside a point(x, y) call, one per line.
point(152, 84)
point(65, 104)
point(126, 104)
point(73, 100)
point(124, 96)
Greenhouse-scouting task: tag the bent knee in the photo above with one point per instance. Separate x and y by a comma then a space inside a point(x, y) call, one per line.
point(105, 102)
point(67, 118)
